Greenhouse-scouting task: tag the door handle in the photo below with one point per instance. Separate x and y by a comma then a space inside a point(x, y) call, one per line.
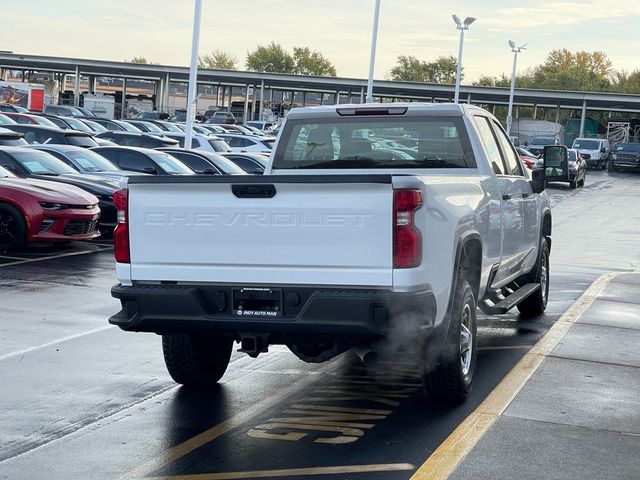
point(525, 195)
point(506, 196)
point(254, 191)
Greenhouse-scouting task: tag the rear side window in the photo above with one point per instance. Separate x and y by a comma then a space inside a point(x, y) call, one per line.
point(247, 165)
point(194, 162)
point(111, 155)
point(511, 159)
point(49, 137)
point(81, 140)
point(490, 145)
point(150, 142)
point(135, 161)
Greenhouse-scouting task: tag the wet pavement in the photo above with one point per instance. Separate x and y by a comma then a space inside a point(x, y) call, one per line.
point(82, 399)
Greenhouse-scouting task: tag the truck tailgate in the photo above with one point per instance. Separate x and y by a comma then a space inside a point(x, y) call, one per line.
point(315, 230)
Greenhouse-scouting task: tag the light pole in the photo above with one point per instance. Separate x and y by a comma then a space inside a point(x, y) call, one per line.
point(262, 92)
point(462, 26)
point(516, 51)
point(193, 75)
point(372, 58)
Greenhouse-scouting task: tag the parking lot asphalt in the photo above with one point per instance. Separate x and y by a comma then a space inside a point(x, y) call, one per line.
point(82, 399)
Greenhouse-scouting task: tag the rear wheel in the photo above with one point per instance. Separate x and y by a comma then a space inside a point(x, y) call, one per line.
point(452, 378)
point(196, 360)
point(13, 228)
point(536, 303)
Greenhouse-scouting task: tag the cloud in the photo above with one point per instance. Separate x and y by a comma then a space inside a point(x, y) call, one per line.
point(548, 13)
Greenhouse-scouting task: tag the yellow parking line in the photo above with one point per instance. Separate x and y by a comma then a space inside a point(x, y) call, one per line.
point(216, 431)
point(293, 472)
point(505, 347)
point(443, 462)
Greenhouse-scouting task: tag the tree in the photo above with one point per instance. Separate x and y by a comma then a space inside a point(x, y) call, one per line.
point(311, 62)
point(580, 71)
point(411, 69)
point(499, 81)
point(141, 60)
point(303, 61)
point(218, 60)
point(270, 58)
point(624, 82)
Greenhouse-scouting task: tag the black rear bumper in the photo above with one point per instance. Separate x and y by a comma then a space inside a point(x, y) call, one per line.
point(336, 312)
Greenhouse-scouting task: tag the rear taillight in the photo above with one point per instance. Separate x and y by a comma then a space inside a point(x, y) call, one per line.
point(407, 241)
point(121, 232)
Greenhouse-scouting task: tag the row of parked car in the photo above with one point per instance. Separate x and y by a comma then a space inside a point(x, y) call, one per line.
point(58, 173)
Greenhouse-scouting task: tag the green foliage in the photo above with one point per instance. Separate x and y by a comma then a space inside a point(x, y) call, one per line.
point(411, 69)
point(303, 61)
point(565, 70)
point(311, 62)
point(218, 60)
point(141, 60)
point(270, 58)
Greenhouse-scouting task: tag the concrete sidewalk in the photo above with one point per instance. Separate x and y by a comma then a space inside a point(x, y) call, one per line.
point(578, 416)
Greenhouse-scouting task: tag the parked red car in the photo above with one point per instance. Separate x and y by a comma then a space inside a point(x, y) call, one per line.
point(528, 158)
point(42, 211)
point(28, 119)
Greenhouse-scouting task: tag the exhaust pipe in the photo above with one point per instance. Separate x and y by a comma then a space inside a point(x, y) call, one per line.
point(368, 356)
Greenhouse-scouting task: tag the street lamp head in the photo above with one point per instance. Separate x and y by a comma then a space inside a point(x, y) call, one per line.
point(515, 49)
point(457, 20)
point(468, 21)
point(264, 68)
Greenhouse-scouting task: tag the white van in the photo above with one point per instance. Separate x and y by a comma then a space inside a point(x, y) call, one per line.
point(595, 151)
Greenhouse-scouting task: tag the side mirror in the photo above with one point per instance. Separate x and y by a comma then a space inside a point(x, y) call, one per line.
point(603, 150)
point(150, 170)
point(555, 159)
point(538, 180)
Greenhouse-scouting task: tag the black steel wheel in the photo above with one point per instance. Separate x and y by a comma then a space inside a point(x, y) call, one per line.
point(13, 228)
point(196, 360)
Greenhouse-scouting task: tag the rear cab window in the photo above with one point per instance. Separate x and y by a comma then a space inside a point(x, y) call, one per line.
point(375, 142)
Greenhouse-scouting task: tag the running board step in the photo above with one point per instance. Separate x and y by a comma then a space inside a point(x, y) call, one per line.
point(511, 301)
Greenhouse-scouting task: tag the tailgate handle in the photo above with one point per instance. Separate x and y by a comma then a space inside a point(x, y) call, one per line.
point(254, 191)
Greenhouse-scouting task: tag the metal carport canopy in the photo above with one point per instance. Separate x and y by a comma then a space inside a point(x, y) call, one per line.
point(385, 88)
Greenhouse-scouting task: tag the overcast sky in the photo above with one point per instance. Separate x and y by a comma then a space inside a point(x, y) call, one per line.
point(341, 29)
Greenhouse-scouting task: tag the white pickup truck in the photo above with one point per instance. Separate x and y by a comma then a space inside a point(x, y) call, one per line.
point(373, 225)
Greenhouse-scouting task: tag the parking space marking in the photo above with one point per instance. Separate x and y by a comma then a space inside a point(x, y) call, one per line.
point(62, 255)
point(13, 258)
point(231, 423)
point(294, 472)
point(55, 342)
point(446, 458)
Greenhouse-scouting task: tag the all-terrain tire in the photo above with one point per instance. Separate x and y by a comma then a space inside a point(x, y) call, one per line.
point(13, 228)
point(452, 377)
point(196, 360)
point(536, 303)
